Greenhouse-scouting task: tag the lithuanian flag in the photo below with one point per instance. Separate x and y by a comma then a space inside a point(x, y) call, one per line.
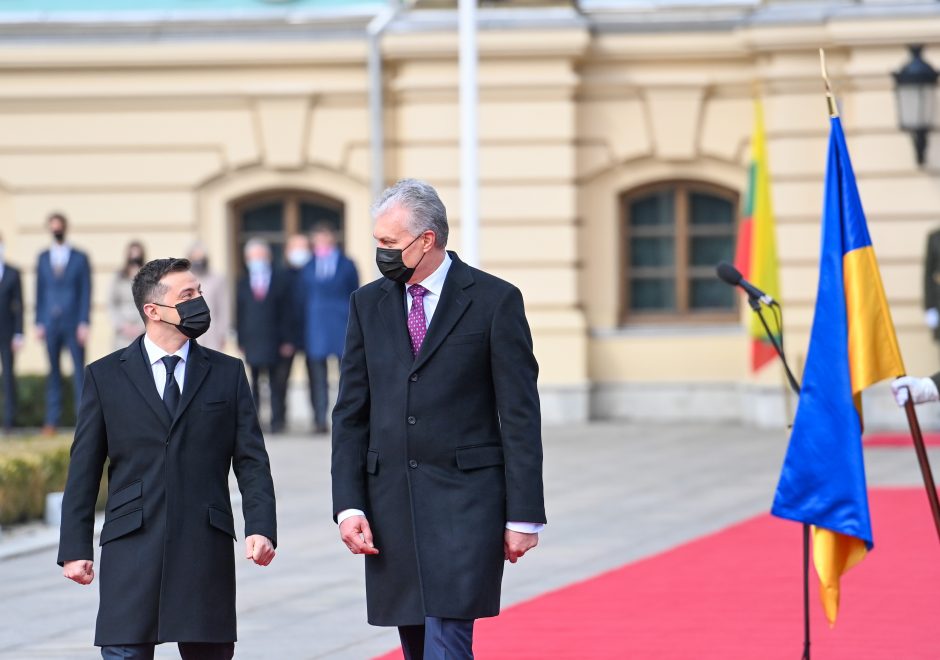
point(756, 253)
point(852, 346)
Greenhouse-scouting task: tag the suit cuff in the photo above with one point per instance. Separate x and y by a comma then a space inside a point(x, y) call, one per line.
point(525, 527)
point(348, 513)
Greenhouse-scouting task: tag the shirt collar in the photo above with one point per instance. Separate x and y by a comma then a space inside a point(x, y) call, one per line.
point(435, 281)
point(155, 353)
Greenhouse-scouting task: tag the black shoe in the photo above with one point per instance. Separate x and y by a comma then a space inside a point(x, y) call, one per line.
point(321, 429)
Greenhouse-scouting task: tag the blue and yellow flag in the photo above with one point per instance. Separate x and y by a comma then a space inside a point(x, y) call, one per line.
point(852, 346)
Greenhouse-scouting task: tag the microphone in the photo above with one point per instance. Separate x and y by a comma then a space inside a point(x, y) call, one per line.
point(733, 276)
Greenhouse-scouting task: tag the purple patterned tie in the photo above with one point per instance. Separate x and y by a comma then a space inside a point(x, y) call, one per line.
point(417, 322)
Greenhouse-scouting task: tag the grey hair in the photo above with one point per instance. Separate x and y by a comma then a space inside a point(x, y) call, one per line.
point(257, 242)
point(426, 211)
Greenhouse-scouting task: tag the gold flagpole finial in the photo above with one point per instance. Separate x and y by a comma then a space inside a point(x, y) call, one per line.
point(830, 98)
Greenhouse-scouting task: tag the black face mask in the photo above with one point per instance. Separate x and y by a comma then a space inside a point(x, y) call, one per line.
point(392, 266)
point(194, 317)
point(59, 236)
point(135, 261)
point(199, 266)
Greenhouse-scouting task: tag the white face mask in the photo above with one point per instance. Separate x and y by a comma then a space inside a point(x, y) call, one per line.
point(258, 266)
point(2, 254)
point(298, 258)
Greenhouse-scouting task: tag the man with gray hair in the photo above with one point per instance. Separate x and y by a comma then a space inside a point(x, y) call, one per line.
point(437, 450)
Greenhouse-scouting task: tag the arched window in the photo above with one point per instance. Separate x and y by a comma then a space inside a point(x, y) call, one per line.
point(673, 234)
point(274, 215)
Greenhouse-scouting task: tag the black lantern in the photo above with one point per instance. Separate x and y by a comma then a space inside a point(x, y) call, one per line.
point(915, 87)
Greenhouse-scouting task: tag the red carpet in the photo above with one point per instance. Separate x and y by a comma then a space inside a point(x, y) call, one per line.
point(736, 595)
point(899, 440)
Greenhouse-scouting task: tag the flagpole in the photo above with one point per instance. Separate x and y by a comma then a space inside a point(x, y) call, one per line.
point(923, 460)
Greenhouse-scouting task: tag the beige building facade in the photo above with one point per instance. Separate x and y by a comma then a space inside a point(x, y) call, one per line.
point(170, 128)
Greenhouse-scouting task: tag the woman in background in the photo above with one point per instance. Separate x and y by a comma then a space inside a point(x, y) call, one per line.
point(124, 315)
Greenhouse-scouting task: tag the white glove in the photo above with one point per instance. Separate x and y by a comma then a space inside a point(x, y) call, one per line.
point(922, 389)
point(932, 318)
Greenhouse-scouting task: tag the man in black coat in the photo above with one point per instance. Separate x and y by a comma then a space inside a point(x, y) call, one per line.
point(437, 451)
point(171, 417)
point(264, 319)
point(932, 284)
point(11, 333)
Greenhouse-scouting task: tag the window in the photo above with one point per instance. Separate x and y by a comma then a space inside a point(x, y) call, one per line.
point(673, 235)
point(275, 215)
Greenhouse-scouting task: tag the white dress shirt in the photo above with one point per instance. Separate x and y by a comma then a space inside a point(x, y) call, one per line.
point(155, 355)
point(434, 283)
point(59, 255)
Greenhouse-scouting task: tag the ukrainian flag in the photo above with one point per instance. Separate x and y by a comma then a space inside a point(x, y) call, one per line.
point(852, 346)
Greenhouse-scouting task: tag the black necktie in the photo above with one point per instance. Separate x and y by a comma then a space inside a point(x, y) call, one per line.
point(171, 391)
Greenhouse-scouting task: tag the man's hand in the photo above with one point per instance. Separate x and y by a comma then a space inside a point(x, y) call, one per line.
point(922, 389)
point(932, 318)
point(259, 549)
point(16, 343)
point(357, 535)
point(40, 332)
point(79, 570)
point(81, 334)
point(516, 544)
point(286, 350)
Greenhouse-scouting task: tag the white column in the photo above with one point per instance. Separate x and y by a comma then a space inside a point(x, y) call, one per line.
point(469, 159)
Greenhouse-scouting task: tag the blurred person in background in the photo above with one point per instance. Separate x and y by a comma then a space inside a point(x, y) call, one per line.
point(328, 281)
point(125, 318)
point(932, 284)
point(264, 314)
point(216, 292)
point(11, 333)
point(296, 255)
point(63, 305)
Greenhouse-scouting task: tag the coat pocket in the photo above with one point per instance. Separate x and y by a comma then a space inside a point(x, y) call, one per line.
point(468, 338)
point(222, 521)
point(125, 494)
point(372, 461)
point(479, 456)
point(121, 526)
point(210, 406)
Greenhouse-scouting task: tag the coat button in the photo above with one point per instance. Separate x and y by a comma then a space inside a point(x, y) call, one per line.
point(414, 378)
point(412, 463)
point(412, 421)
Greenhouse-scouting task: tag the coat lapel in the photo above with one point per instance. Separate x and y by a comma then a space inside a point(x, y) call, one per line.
point(141, 376)
point(452, 305)
point(392, 304)
point(197, 368)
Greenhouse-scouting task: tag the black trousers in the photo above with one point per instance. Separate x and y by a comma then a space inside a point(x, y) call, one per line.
point(278, 406)
point(9, 384)
point(188, 651)
point(319, 389)
point(282, 378)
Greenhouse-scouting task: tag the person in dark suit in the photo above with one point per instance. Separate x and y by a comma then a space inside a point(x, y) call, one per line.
point(11, 333)
point(171, 417)
point(63, 305)
point(297, 254)
point(263, 320)
point(437, 450)
point(328, 280)
point(932, 284)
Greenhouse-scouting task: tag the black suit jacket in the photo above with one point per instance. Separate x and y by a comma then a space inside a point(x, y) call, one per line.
point(932, 276)
point(167, 570)
point(439, 450)
point(263, 325)
point(11, 304)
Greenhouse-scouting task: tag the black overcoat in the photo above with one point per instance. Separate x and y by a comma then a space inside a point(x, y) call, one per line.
point(167, 568)
point(440, 450)
point(932, 276)
point(263, 325)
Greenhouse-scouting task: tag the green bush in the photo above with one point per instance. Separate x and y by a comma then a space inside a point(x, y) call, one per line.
point(29, 469)
point(31, 401)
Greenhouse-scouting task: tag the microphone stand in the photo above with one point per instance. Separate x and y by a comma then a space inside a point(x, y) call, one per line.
point(755, 304)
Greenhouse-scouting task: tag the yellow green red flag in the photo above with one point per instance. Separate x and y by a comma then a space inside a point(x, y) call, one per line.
point(756, 253)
